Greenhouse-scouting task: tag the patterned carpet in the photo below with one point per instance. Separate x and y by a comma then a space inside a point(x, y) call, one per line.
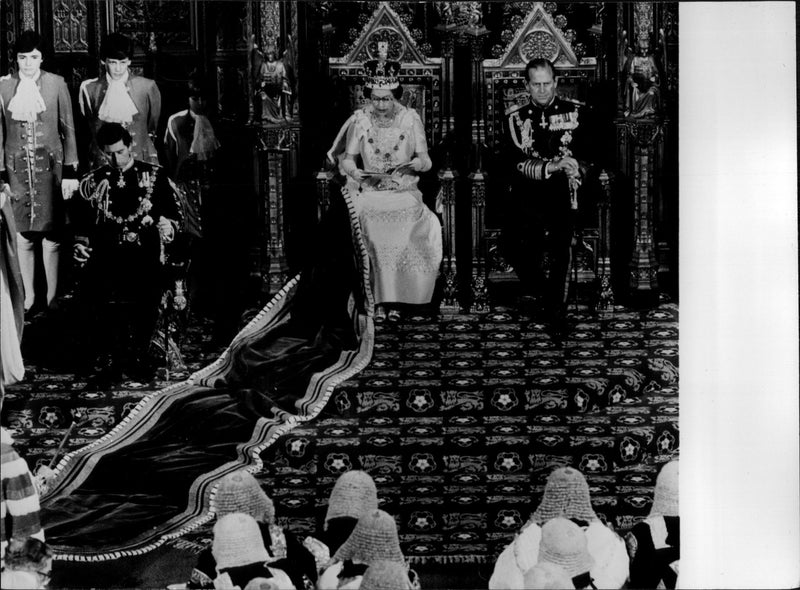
point(458, 419)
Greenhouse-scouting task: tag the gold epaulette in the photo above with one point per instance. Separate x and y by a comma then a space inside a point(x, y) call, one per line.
point(515, 108)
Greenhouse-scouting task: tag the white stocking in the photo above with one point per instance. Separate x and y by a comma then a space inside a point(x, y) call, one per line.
point(27, 266)
point(50, 257)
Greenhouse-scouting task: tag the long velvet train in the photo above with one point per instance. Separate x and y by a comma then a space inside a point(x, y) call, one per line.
point(153, 477)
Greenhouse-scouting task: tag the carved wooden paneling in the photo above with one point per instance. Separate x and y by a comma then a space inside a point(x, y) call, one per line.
point(641, 152)
point(270, 23)
point(231, 85)
point(347, 20)
point(9, 18)
point(28, 15)
point(561, 32)
point(70, 26)
point(155, 24)
point(231, 26)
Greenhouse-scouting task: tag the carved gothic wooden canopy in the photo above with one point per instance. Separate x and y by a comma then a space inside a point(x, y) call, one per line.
point(385, 25)
point(539, 37)
point(420, 75)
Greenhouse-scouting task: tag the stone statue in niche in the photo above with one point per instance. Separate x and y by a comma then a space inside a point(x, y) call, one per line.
point(273, 77)
point(642, 93)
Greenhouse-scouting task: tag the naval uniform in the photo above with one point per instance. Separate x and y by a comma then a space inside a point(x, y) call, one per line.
point(117, 215)
point(540, 208)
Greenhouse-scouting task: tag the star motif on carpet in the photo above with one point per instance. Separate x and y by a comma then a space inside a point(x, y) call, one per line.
point(508, 462)
point(422, 463)
point(504, 400)
point(421, 402)
point(629, 449)
point(665, 441)
point(508, 519)
point(338, 463)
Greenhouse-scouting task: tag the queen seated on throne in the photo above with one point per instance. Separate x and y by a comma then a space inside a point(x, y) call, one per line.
point(380, 150)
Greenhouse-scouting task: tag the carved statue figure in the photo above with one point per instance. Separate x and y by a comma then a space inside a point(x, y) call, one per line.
point(273, 84)
point(465, 14)
point(445, 10)
point(642, 82)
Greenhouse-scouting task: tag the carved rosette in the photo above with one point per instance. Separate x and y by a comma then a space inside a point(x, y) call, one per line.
point(538, 44)
point(394, 41)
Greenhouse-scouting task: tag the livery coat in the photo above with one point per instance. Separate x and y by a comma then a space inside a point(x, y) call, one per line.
point(177, 145)
point(35, 153)
point(146, 97)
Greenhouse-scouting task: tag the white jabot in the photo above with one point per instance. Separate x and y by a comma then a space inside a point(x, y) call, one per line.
point(117, 105)
point(204, 141)
point(27, 101)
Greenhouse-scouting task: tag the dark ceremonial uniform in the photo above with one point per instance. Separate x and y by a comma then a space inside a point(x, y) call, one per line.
point(540, 209)
point(116, 215)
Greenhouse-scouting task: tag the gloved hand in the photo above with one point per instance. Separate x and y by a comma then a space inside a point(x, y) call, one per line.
point(166, 229)
point(69, 186)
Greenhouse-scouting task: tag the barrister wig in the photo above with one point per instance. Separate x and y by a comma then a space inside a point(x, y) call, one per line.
point(565, 494)
point(564, 544)
point(116, 46)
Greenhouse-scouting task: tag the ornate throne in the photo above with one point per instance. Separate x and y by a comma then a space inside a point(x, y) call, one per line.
point(421, 77)
point(541, 34)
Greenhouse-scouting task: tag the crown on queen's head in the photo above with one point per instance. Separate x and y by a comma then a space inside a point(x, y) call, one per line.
point(381, 73)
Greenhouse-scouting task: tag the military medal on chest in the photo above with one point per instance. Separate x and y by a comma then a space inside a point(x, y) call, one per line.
point(101, 196)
